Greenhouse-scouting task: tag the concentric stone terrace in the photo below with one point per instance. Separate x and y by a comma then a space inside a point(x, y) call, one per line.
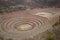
point(21, 26)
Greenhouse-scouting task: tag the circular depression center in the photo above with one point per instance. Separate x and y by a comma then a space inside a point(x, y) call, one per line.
point(24, 27)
